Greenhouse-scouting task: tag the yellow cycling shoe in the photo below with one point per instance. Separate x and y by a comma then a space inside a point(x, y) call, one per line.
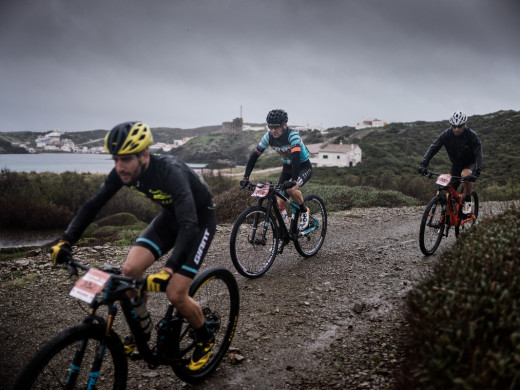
point(201, 354)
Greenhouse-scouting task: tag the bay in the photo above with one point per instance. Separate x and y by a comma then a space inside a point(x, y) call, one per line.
point(55, 163)
point(61, 162)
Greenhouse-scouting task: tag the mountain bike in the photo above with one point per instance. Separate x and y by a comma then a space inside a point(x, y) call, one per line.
point(260, 232)
point(91, 355)
point(445, 211)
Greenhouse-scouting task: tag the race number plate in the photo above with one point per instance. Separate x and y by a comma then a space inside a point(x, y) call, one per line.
point(261, 191)
point(443, 180)
point(90, 284)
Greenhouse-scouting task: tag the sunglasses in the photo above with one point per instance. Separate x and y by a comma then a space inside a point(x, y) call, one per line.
point(458, 127)
point(274, 127)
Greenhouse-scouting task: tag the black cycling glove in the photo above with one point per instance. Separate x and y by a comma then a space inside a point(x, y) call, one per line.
point(244, 182)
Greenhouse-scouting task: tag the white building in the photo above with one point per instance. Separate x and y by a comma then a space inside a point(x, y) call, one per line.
point(371, 122)
point(334, 155)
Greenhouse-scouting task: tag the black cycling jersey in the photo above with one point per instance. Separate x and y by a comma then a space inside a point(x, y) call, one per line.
point(167, 181)
point(463, 150)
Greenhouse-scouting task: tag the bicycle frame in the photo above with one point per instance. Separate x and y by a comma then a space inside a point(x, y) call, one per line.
point(272, 205)
point(115, 291)
point(453, 209)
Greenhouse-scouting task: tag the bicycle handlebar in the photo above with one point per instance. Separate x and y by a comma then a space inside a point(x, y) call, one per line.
point(72, 266)
point(251, 186)
point(470, 178)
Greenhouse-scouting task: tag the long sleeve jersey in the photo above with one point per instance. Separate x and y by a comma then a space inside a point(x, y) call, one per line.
point(289, 146)
point(463, 149)
point(167, 181)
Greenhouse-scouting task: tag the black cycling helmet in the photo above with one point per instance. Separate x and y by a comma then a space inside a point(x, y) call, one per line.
point(128, 138)
point(277, 117)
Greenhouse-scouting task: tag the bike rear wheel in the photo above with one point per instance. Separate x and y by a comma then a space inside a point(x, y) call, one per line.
point(67, 360)
point(216, 290)
point(474, 211)
point(310, 241)
point(432, 226)
point(252, 256)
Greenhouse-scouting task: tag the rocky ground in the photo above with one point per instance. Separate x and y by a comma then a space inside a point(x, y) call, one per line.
point(326, 322)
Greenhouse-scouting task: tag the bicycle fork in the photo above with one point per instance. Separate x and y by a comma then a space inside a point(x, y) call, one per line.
point(98, 356)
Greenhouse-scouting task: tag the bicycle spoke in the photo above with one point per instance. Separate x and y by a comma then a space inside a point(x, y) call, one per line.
point(217, 293)
point(253, 252)
point(71, 360)
point(311, 239)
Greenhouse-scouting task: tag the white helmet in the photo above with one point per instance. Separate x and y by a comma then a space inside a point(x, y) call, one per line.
point(458, 118)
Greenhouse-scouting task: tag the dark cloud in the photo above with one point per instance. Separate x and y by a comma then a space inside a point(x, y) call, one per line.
point(181, 63)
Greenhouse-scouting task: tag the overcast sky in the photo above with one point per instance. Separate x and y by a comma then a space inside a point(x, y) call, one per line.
point(84, 65)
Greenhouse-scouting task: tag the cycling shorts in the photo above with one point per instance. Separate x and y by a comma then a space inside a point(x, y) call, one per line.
point(160, 236)
point(456, 170)
point(303, 177)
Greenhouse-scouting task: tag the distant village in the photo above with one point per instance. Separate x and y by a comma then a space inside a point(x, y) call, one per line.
point(320, 155)
point(53, 142)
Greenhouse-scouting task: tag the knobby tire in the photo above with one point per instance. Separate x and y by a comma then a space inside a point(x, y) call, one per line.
point(216, 290)
point(250, 257)
point(430, 236)
point(308, 245)
point(49, 368)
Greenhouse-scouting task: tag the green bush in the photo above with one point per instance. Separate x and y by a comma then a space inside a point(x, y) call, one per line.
point(232, 202)
point(464, 320)
point(50, 200)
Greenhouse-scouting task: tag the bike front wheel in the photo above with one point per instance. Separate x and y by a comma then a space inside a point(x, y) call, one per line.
point(252, 253)
point(216, 290)
point(78, 358)
point(433, 224)
point(474, 214)
point(311, 239)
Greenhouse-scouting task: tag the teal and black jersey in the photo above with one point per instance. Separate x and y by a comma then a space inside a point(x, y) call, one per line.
point(289, 146)
point(286, 146)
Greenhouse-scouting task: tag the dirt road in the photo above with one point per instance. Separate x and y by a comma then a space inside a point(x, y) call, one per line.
point(330, 321)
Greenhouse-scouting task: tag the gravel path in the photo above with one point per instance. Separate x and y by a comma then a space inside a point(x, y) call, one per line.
point(330, 321)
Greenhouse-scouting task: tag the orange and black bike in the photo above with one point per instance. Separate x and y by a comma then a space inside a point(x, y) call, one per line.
point(444, 211)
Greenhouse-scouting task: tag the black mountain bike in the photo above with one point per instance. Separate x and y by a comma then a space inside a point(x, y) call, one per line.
point(259, 232)
point(91, 355)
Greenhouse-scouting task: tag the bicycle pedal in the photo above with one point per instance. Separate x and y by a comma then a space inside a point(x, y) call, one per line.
point(135, 356)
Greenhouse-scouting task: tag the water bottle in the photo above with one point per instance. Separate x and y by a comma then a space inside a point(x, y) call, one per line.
point(285, 217)
point(144, 316)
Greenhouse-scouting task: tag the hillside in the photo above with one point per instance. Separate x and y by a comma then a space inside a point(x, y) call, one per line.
point(392, 151)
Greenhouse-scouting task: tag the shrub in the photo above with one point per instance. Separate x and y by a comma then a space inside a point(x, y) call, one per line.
point(464, 320)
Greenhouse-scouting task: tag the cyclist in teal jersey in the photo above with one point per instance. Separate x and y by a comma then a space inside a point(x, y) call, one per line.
point(297, 168)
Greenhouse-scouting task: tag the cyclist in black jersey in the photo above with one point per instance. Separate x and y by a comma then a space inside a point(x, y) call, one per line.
point(465, 153)
point(297, 169)
point(186, 223)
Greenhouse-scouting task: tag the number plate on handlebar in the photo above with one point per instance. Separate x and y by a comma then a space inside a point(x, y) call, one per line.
point(443, 180)
point(90, 284)
point(261, 191)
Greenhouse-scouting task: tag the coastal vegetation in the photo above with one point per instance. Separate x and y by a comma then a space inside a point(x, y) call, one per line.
point(463, 322)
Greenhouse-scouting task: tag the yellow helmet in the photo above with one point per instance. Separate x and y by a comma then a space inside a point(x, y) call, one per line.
point(128, 138)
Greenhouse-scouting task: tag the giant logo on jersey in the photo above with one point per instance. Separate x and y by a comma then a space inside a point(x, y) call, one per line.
point(156, 196)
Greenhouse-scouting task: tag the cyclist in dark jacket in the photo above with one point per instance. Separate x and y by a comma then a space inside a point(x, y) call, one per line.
point(297, 168)
point(464, 150)
point(186, 223)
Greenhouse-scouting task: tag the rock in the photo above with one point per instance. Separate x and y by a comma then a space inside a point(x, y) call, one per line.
point(358, 308)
